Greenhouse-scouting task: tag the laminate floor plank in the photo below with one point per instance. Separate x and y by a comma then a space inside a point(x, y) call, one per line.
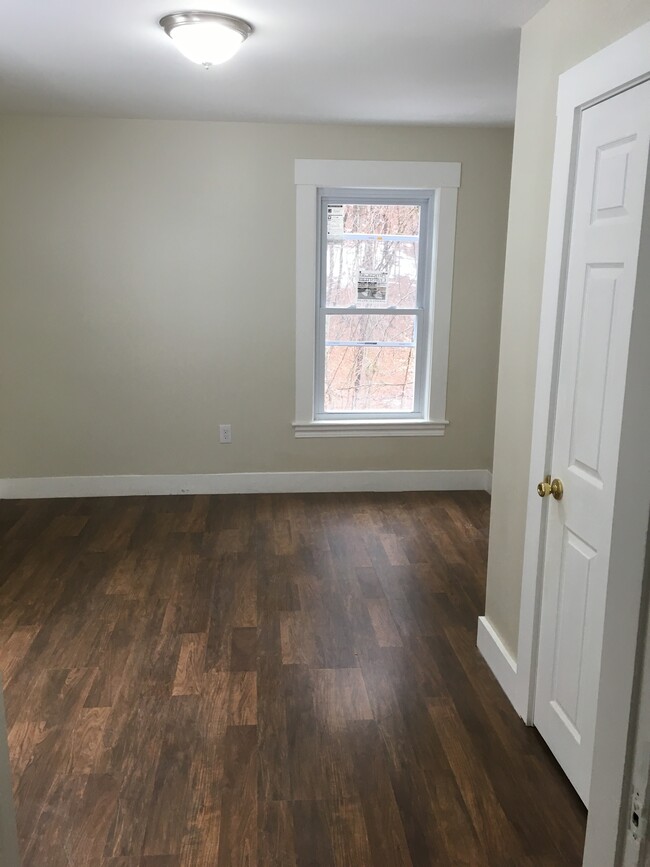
point(265, 681)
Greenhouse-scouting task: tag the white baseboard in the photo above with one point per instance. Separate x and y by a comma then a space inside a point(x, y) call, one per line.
point(498, 657)
point(245, 483)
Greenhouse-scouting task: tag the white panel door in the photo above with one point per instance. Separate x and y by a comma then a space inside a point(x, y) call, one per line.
point(610, 188)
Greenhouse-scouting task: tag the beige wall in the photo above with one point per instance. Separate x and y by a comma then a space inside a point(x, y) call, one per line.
point(561, 35)
point(147, 287)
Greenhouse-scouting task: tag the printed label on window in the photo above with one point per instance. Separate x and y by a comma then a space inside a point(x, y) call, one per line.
point(371, 285)
point(335, 219)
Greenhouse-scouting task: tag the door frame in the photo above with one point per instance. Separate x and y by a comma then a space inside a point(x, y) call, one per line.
point(616, 68)
point(8, 835)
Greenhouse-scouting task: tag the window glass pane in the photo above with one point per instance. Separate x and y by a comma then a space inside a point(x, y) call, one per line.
point(369, 379)
point(372, 255)
point(376, 376)
point(384, 328)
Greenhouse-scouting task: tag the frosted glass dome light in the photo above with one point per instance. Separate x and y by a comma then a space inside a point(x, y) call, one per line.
point(208, 38)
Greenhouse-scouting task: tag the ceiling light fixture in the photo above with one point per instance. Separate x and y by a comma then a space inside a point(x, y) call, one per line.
point(207, 38)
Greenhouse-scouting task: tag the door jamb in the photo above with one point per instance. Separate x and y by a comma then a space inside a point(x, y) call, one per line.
point(8, 836)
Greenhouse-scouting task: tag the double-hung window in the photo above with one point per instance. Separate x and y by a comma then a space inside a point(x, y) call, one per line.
point(373, 305)
point(373, 297)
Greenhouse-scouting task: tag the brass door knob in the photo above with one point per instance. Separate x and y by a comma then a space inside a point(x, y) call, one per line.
point(553, 488)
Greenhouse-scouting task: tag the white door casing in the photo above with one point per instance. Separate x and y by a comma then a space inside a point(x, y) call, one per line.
point(610, 177)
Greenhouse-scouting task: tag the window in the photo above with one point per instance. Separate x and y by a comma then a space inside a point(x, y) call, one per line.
point(373, 310)
point(374, 262)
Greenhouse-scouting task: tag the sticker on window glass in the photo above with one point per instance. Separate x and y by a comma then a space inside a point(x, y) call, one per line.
point(335, 219)
point(371, 285)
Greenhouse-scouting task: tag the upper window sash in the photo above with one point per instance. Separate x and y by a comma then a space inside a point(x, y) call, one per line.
point(372, 197)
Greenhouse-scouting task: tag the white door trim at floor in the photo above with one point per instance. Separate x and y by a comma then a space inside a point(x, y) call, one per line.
point(616, 68)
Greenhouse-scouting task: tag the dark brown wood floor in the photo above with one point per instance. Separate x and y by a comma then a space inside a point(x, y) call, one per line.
point(265, 680)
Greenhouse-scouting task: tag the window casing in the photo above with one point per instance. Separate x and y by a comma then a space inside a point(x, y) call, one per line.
point(417, 320)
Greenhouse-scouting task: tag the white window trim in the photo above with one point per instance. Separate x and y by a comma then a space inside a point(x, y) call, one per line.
point(312, 175)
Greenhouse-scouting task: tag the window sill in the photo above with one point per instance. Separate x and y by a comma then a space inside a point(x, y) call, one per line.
point(358, 428)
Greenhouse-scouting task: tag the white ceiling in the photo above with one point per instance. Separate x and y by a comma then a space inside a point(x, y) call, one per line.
point(416, 61)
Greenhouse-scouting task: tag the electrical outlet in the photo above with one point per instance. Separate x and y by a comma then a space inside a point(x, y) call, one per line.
point(225, 433)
